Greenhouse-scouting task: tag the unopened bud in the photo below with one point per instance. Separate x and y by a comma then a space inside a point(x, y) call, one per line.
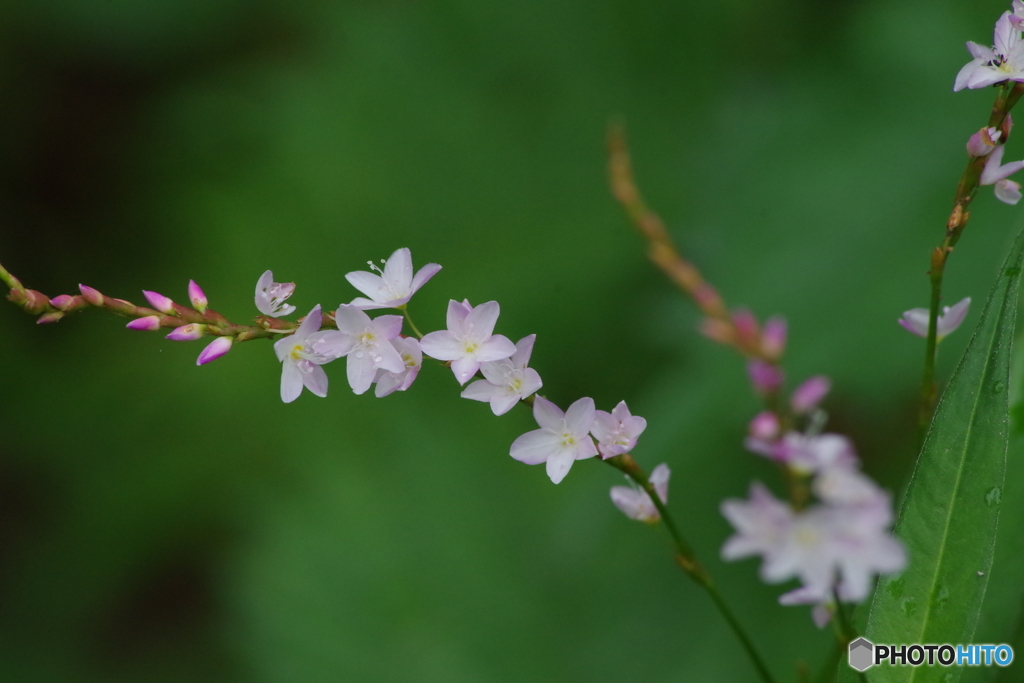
point(773, 339)
point(35, 302)
point(747, 331)
point(983, 142)
point(765, 426)
point(808, 395)
point(51, 317)
point(1006, 128)
point(765, 377)
point(196, 296)
point(147, 324)
point(217, 348)
point(62, 301)
point(160, 302)
point(189, 332)
point(91, 295)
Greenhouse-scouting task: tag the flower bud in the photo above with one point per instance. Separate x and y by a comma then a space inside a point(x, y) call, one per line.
point(773, 340)
point(189, 332)
point(983, 142)
point(160, 302)
point(35, 302)
point(62, 301)
point(91, 295)
point(808, 395)
point(217, 348)
point(146, 324)
point(747, 332)
point(765, 426)
point(196, 296)
point(1006, 127)
point(765, 377)
point(51, 317)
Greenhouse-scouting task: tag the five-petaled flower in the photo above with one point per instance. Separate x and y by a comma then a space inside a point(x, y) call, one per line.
point(507, 381)
point(367, 344)
point(616, 432)
point(562, 438)
point(1002, 62)
point(468, 341)
point(271, 296)
point(394, 286)
point(301, 355)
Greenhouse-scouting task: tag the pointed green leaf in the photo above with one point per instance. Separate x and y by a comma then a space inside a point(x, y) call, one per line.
point(951, 509)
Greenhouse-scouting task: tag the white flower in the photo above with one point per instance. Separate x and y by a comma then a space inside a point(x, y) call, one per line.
point(1002, 62)
point(301, 355)
point(562, 438)
point(506, 381)
point(388, 382)
point(367, 344)
point(916, 319)
point(806, 453)
point(616, 432)
point(635, 503)
point(468, 341)
point(394, 286)
point(271, 296)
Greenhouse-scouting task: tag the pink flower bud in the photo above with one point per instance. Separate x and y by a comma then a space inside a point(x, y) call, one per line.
point(146, 324)
point(747, 332)
point(91, 295)
point(62, 301)
point(217, 348)
point(1006, 127)
point(765, 426)
point(773, 341)
point(765, 377)
point(35, 302)
point(187, 332)
point(808, 395)
point(51, 317)
point(983, 142)
point(160, 302)
point(196, 296)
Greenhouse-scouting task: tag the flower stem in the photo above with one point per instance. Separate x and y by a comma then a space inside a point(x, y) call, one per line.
point(687, 560)
point(967, 188)
point(408, 319)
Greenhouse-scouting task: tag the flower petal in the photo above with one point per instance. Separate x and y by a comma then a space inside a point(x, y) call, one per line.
point(535, 447)
point(315, 379)
point(580, 416)
point(548, 415)
point(291, 382)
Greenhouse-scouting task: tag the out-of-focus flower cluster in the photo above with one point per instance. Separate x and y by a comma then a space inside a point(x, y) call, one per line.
point(835, 545)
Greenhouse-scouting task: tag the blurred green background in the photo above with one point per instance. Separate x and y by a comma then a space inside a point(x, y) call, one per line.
point(162, 522)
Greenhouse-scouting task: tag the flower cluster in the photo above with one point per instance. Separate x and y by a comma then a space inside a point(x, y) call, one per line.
point(834, 546)
point(1003, 62)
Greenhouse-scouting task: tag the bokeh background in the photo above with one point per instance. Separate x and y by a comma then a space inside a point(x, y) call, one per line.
point(163, 522)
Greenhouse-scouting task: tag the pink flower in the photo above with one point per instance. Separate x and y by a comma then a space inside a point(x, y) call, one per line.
point(468, 341)
point(271, 296)
point(616, 432)
point(394, 286)
point(388, 382)
point(508, 381)
point(159, 302)
point(301, 355)
point(808, 395)
point(635, 503)
point(996, 173)
point(1002, 62)
point(562, 438)
point(148, 323)
point(366, 343)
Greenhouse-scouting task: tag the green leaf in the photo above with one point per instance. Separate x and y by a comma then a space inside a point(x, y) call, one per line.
point(951, 510)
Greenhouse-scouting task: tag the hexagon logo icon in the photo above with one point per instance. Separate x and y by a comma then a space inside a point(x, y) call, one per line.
point(862, 653)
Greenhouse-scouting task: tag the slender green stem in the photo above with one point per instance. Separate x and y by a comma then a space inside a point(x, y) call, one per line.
point(408, 319)
point(687, 559)
point(970, 180)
